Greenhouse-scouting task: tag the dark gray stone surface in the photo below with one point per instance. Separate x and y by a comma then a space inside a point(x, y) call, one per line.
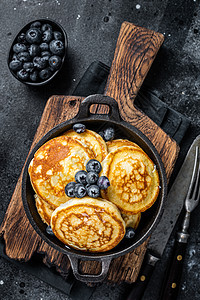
point(92, 28)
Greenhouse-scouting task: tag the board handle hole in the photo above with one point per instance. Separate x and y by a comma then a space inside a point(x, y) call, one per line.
point(97, 109)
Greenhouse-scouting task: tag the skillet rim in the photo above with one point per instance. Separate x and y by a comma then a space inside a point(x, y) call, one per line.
point(98, 255)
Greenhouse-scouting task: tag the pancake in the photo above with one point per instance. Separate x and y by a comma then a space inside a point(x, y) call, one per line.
point(92, 140)
point(88, 224)
point(134, 180)
point(44, 209)
point(131, 220)
point(54, 165)
point(115, 144)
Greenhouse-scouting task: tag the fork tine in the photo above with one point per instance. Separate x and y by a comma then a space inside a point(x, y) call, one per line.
point(193, 173)
point(197, 185)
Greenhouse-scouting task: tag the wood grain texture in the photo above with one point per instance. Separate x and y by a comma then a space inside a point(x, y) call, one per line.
point(135, 51)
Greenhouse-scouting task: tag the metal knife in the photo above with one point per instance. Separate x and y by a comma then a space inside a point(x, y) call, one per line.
point(162, 232)
point(171, 283)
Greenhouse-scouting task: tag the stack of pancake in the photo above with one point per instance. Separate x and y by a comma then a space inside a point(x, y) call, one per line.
point(89, 224)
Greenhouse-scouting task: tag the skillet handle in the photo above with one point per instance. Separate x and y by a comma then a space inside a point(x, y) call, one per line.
point(89, 277)
point(84, 109)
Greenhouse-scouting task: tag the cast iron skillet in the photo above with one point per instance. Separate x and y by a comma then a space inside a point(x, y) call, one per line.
point(149, 218)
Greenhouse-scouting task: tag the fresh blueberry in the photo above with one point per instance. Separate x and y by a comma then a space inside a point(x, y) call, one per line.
point(49, 230)
point(109, 134)
point(70, 192)
point(23, 74)
point(69, 189)
point(70, 184)
point(80, 190)
point(93, 191)
point(58, 35)
point(46, 27)
point(45, 74)
point(47, 36)
point(34, 50)
point(46, 58)
point(15, 57)
point(34, 76)
point(92, 177)
point(17, 48)
point(79, 128)
point(39, 63)
point(33, 36)
point(80, 177)
point(21, 38)
point(93, 165)
point(130, 233)
point(103, 182)
point(24, 57)
point(28, 66)
point(36, 24)
point(56, 47)
point(45, 53)
point(55, 62)
point(15, 65)
point(44, 47)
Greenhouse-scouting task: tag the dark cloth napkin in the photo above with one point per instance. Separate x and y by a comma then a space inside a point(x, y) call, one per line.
point(147, 100)
point(93, 80)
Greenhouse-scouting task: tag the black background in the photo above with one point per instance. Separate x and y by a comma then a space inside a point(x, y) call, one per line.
point(92, 28)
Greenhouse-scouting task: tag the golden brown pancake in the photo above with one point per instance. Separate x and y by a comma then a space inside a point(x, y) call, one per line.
point(134, 180)
point(131, 220)
point(92, 140)
point(115, 144)
point(44, 209)
point(88, 224)
point(54, 165)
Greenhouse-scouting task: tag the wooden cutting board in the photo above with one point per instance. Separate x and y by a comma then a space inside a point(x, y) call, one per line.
point(135, 51)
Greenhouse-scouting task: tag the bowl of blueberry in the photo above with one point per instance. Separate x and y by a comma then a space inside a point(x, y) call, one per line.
point(38, 52)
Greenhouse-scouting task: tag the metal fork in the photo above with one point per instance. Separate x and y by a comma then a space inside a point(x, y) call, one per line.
point(192, 198)
point(172, 280)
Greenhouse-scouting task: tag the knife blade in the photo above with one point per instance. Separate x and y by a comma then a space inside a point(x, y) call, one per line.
point(173, 273)
point(162, 232)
